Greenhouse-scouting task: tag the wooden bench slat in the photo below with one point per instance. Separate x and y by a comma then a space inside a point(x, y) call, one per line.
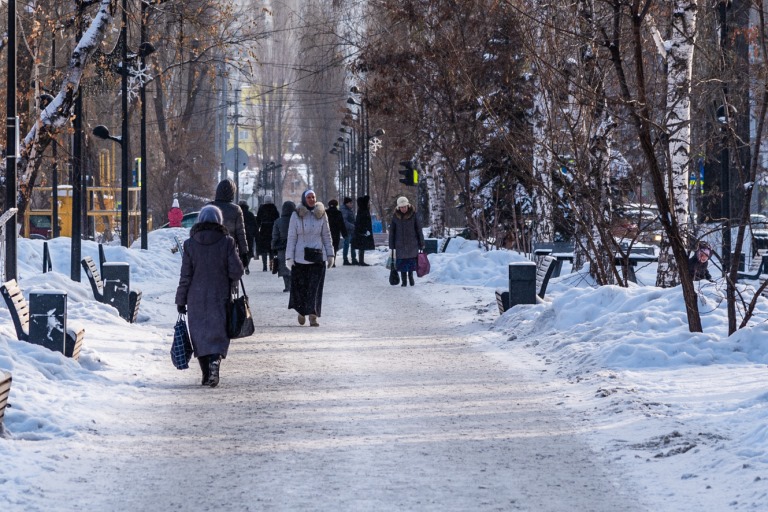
point(5, 391)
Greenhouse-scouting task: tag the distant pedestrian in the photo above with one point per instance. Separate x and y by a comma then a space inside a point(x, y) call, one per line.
point(251, 230)
point(698, 263)
point(280, 242)
point(336, 223)
point(265, 218)
point(233, 216)
point(175, 215)
point(209, 265)
point(363, 238)
point(406, 239)
point(308, 252)
point(349, 222)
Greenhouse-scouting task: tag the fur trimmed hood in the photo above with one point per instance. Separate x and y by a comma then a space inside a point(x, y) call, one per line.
point(407, 215)
point(318, 211)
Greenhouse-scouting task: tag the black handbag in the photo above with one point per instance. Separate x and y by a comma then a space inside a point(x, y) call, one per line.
point(394, 278)
point(313, 255)
point(181, 348)
point(239, 318)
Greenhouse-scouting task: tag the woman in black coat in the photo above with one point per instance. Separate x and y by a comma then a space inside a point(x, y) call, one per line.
point(363, 238)
point(209, 266)
point(280, 241)
point(251, 230)
point(337, 225)
point(406, 239)
point(265, 218)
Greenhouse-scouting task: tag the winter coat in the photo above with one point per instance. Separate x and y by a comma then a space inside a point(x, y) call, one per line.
point(308, 228)
point(280, 237)
point(175, 215)
point(265, 218)
point(698, 270)
point(405, 235)
point(336, 223)
point(363, 234)
point(251, 226)
point(209, 265)
point(233, 215)
point(349, 219)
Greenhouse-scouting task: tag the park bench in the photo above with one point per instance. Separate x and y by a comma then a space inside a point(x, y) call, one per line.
point(44, 320)
point(5, 391)
point(761, 260)
point(631, 260)
point(115, 288)
point(517, 292)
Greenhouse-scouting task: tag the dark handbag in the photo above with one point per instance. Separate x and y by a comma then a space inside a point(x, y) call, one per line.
point(394, 278)
point(239, 318)
point(181, 349)
point(313, 255)
point(422, 264)
point(274, 265)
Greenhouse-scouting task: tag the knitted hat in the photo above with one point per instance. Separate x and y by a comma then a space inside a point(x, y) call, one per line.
point(402, 201)
point(175, 203)
point(210, 213)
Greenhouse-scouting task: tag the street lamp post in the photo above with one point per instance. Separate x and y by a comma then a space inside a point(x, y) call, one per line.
point(102, 132)
point(12, 135)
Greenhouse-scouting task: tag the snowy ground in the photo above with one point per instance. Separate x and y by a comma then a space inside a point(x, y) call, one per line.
point(426, 401)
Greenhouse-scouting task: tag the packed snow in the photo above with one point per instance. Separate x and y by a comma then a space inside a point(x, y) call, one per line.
point(683, 415)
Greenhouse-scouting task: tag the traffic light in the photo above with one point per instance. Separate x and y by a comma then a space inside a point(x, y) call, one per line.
point(410, 174)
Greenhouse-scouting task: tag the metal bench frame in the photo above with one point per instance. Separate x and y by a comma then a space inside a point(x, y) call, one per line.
point(97, 285)
point(19, 309)
point(544, 272)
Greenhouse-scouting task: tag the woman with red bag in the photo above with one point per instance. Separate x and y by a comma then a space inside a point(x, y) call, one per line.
point(406, 239)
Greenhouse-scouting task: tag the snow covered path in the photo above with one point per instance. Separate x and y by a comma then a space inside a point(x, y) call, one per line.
point(389, 405)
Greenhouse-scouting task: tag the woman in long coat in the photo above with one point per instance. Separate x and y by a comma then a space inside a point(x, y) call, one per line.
point(363, 238)
point(336, 223)
point(280, 242)
point(251, 231)
point(209, 266)
point(232, 214)
point(266, 216)
point(406, 239)
point(308, 251)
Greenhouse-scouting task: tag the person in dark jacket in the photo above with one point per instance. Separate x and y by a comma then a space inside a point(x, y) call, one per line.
point(280, 241)
point(336, 223)
point(406, 239)
point(308, 253)
point(251, 230)
point(265, 218)
point(233, 216)
point(698, 263)
point(349, 222)
point(209, 265)
point(362, 239)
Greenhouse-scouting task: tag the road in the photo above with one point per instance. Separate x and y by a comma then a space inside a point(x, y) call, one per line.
point(391, 404)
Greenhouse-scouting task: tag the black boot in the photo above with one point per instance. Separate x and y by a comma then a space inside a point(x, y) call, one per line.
point(361, 258)
point(213, 369)
point(203, 360)
point(264, 258)
point(403, 282)
point(287, 282)
point(410, 278)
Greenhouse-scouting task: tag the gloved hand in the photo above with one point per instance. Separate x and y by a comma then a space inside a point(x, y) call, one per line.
point(289, 264)
point(244, 259)
point(182, 309)
point(367, 233)
point(331, 261)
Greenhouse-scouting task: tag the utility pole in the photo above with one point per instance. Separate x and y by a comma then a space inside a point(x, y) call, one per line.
point(12, 146)
point(223, 122)
point(237, 145)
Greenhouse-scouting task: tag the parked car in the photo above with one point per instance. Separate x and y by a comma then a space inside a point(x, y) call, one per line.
point(187, 221)
point(40, 227)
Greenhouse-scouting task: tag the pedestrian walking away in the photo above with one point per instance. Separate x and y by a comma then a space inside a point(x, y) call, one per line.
point(363, 235)
point(406, 239)
point(349, 222)
point(308, 252)
point(251, 230)
point(233, 216)
point(265, 219)
point(175, 215)
point(336, 223)
point(209, 266)
point(280, 242)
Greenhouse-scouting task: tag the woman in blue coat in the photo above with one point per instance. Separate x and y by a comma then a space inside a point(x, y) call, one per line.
point(406, 239)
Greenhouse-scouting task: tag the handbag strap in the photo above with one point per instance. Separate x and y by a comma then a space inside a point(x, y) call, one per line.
point(242, 287)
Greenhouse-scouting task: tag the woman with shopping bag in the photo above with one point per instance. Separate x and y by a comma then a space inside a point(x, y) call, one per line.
point(406, 239)
point(209, 266)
